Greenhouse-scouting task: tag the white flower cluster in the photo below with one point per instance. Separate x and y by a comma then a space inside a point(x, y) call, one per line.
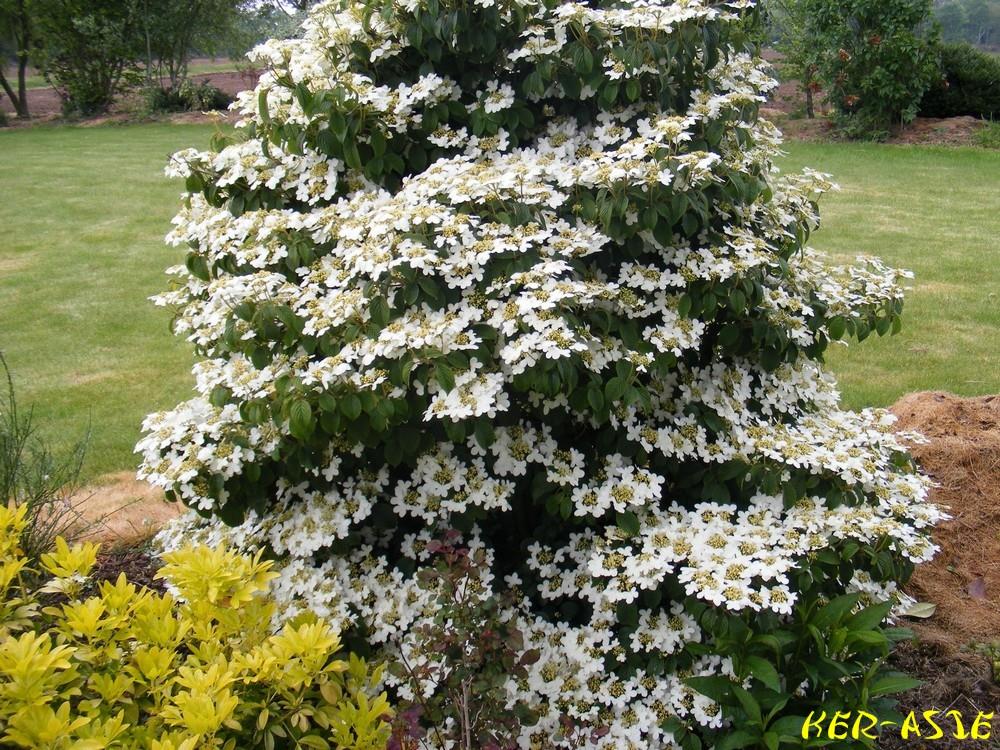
point(570, 300)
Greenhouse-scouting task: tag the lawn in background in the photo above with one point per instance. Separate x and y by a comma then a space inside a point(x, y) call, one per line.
point(935, 211)
point(85, 209)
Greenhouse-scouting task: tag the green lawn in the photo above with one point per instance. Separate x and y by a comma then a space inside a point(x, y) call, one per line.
point(935, 211)
point(84, 211)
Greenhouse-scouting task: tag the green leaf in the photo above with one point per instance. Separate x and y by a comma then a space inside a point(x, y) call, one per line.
point(484, 433)
point(719, 689)
point(750, 705)
point(836, 328)
point(684, 306)
point(595, 398)
point(737, 301)
point(764, 671)
point(265, 115)
point(870, 617)
point(893, 682)
point(444, 376)
point(351, 155)
point(735, 740)
point(338, 126)
point(614, 389)
point(835, 611)
point(788, 727)
point(628, 522)
point(220, 396)
point(300, 418)
point(378, 142)
point(350, 405)
point(314, 741)
point(379, 310)
point(198, 267)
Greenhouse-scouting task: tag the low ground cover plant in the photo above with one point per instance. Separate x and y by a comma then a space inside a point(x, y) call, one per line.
point(523, 272)
point(126, 667)
point(188, 96)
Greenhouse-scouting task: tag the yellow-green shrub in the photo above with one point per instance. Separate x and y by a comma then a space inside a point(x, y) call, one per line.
point(128, 667)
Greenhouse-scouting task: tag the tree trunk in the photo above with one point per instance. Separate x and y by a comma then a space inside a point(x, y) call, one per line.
point(149, 47)
point(810, 108)
point(22, 37)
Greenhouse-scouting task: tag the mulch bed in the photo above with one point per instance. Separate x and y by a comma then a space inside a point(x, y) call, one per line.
point(137, 563)
point(962, 456)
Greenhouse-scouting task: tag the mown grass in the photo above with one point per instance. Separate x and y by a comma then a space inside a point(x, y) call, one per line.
point(935, 211)
point(84, 212)
point(85, 209)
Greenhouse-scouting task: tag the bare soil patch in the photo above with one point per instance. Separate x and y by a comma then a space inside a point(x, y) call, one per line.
point(947, 131)
point(959, 682)
point(122, 511)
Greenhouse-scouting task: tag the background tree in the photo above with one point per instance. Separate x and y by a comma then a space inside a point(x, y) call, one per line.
point(974, 21)
point(879, 57)
point(15, 37)
point(800, 45)
point(173, 30)
point(88, 49)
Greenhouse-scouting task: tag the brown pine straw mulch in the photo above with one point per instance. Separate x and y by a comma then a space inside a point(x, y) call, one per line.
point(963, 458)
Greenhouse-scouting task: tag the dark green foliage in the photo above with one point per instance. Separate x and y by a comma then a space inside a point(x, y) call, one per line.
point(969, 84)
point(88, 50)
point(188, 97)
point(879, 58)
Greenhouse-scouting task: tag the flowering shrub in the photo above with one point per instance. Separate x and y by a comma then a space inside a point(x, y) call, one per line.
point(130, 668)
point(879, 58)
point(525, 270)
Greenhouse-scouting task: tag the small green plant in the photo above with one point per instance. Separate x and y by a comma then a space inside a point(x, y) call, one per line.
point(132, 668)
point(189, 96)
point(989, 135)
point(35, 477)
